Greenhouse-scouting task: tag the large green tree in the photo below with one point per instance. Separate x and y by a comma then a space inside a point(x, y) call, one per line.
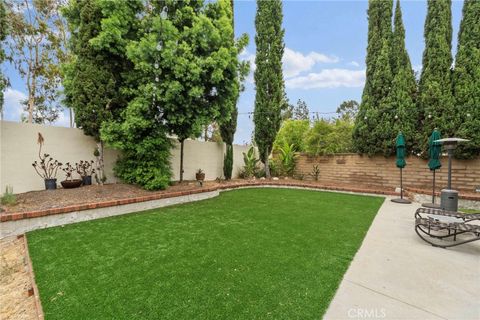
point(367, 137)
point(269, 83)
point(186, 73)
point(3, 36)
point(97, 75)
point(228, 126)
point(466, 81)
point(401, 114)
point(435, 99)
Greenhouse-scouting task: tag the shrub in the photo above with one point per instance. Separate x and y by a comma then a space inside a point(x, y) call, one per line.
point(250, 163)
point(329, 137)
point(292, 132)
point(287, 159)
point(8, 198)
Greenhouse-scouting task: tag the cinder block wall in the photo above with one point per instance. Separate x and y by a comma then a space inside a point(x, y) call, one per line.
point(19, 148)
point(381, 172)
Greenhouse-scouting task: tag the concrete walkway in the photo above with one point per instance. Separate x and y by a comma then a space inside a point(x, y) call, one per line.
point(395, 275)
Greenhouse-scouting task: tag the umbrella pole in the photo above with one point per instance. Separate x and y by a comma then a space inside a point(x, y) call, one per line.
point(433, 191)
point(401, 184)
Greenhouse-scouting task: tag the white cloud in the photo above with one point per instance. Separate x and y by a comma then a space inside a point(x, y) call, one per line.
point(13, 108)
point(354, 63)
point(328, 78)
point(295, 62)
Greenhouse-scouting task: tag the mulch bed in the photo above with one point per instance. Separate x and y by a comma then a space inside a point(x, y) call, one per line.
point(60, 198)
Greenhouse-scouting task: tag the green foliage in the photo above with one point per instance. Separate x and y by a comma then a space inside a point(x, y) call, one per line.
point(144, 145)
point(435, 99)
point(228, 162)
point(466, 81)
point(369, 133)
point(269, 96)
point(292, 132)
point(187, 65)
point(96, 78)
point(250, 161)
point(8, 198)
point(404, 115)
point(329, 137)
point(3, 36)
point(287, 159)
point(228, 125)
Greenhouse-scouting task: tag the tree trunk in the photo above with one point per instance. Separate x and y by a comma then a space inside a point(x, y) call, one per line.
point(100, 164)
point(267, 168)
point(71, 117)
point(31, 99)
point(181, 160)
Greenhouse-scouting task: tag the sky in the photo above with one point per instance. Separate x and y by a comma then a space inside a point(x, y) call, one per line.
point(324, 58)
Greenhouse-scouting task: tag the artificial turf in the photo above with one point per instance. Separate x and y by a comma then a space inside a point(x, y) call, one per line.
point(247, 254)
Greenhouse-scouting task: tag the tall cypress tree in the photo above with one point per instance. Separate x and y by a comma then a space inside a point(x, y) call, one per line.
point(466, 80)
point(435, 99)
point(270, 87)
point(269, 84)
point(228, 126)
point(377, 81)
point(403, 115)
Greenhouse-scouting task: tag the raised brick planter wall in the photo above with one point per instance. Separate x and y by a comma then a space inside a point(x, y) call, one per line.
point(380, 172)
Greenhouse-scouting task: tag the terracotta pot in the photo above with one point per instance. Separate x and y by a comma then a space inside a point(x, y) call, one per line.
point(70, 184)
point(200, 176)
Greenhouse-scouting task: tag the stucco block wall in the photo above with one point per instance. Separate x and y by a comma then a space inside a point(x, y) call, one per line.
point(379, 171)
point(207, 156)
point(19, 148)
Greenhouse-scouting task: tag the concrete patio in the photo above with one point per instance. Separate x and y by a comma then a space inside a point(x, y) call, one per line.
point(396, 275)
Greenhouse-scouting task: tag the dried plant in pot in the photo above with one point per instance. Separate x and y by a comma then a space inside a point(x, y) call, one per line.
point(200, 175)
point(69, 182)
point(46, 167)
point(86, 170)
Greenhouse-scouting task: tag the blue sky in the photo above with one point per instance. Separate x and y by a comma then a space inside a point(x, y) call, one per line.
point(324, 60)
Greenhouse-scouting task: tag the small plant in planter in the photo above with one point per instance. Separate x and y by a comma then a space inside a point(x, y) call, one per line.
point(69, 182)
point(47, 167)
point(200, 175)
point(85, 170)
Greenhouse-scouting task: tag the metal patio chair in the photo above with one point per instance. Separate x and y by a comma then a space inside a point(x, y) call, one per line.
point(442, 224)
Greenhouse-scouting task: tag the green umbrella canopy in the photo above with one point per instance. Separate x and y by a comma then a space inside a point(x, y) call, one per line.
point(434, 150)
point(400, 146)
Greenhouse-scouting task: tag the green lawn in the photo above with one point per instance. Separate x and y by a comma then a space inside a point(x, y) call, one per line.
point(247, 254)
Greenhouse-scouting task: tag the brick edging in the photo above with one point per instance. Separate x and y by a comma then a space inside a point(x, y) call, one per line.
point(31, 275)
point(13, 216)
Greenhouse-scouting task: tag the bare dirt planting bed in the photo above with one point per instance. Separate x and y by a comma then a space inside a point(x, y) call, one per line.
point(16, 303)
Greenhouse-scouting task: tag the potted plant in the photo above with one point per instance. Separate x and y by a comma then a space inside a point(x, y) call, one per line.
point(200, 175)
point(69, 182)
point(85, 170)
point(47, 167)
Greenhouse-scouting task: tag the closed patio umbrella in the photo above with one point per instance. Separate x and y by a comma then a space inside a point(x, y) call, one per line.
point(400, 163)
point(434, 151)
